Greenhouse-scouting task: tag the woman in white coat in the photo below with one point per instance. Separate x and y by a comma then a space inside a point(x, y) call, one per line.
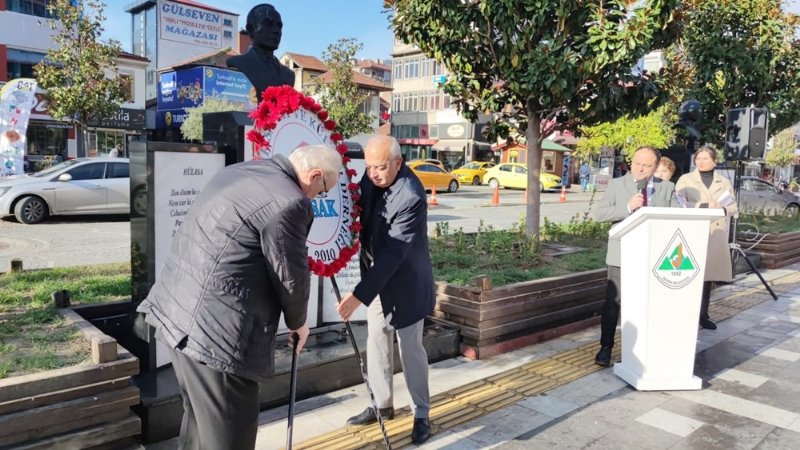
point(703, 188)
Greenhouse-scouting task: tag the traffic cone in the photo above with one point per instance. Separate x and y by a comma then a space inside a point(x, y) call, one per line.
point(496, 196)
point(563, 198)
point(433, 201)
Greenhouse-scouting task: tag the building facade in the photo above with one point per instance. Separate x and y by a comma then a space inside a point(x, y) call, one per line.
point(167, 31)
point(424, 119)
point(25, 38)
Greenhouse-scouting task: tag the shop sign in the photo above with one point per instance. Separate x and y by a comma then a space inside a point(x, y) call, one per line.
point(190, 25)
point(125, 119)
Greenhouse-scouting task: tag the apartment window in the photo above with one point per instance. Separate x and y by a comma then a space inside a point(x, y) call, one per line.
point(411, 68)
point(436, 101)
point(20, 63)
point(423, 101)
point(150, 78)
point(407, 101)
point(398, 70)
point(426, 67)
point(227, 33)
point(447, 102)
point(437, 68)
point(396, 103)
point(414, 101)
point(227, 22)
point(32, 7)
point(433, 131)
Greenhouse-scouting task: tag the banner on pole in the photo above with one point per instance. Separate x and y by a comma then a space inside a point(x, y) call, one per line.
point(17, 98)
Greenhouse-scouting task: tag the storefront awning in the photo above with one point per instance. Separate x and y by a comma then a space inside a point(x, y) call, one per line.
point(450, 145)
point(417, 141)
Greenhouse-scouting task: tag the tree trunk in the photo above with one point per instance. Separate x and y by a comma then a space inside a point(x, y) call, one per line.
point(81, 138)
point(534, 138)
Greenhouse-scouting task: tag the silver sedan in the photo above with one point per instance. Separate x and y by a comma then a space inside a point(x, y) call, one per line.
point(78, 186)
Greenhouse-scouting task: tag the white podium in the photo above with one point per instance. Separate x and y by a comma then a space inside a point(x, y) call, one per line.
point(663, 254)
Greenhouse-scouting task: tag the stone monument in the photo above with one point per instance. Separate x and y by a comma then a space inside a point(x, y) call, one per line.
point(259, 64)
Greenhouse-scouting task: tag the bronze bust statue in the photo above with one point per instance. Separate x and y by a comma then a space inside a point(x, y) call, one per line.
point(259, 64)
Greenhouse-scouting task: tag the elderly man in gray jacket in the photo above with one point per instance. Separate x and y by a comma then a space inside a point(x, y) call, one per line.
point(237, 262)
point(623, 197)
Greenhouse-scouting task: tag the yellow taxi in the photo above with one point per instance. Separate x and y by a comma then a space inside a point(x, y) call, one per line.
point(431, 175)
point(472, 172)
point(515, 175)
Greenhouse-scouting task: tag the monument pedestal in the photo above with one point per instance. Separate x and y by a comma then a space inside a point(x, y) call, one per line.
point(663, 263)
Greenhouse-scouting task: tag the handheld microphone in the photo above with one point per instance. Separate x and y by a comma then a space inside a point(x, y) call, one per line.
point(641, 186)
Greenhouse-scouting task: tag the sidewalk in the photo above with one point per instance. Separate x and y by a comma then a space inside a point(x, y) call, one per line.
point(551, 395)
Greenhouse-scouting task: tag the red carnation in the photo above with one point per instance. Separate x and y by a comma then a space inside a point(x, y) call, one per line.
point(336, 137)
point(322, 115)
point(356, 227)
point(346, 159)
point(355, 197)
point(351, 173)
point(330, 125)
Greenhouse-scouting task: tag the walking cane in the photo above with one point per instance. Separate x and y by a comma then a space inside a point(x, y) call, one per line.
point(294, 338)
point(363, 369)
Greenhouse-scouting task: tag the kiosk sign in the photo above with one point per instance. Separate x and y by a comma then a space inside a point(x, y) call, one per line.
point(676, 267)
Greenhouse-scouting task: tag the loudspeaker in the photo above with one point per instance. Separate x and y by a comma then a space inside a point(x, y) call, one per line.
point(745, 133)
point(759, 118)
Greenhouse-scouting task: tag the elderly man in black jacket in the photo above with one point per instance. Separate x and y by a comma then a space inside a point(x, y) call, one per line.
point(395, 264)
point(237, 262)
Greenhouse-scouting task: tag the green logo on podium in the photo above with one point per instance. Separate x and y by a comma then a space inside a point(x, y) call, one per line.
point(676, 267)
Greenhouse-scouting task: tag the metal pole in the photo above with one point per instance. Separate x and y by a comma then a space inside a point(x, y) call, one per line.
point(293, 337)
point(363, 369)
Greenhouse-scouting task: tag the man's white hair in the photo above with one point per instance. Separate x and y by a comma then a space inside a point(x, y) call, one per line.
point(310, 157)
point(381, 139)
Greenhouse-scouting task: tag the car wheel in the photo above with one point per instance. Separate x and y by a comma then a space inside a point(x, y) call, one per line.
point(493, 183)
point(139, 202)
point(453, 186)
point(541, 187)
point(31, 210)
point(476, 181)
point(792, 209)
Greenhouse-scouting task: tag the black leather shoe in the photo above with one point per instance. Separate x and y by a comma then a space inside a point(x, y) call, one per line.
point(368, 416)
point(421, 431)
point(603, 357)
point(707, 323)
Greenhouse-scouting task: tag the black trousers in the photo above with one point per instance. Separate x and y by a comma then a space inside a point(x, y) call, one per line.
point(610, 313)
point(220, 410)
point(706, 299)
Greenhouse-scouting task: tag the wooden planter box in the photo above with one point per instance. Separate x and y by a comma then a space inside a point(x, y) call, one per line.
point(85, 406)
point(776, 250)
point(496, 320)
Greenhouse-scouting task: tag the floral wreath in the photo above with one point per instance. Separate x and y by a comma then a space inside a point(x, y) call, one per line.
point(277, 102)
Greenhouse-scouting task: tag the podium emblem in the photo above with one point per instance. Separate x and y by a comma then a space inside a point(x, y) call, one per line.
point(677, 266)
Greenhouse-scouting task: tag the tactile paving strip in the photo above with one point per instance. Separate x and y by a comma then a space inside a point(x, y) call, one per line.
point(479, 398)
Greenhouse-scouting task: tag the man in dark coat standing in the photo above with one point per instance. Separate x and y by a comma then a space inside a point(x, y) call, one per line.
point(238, 261)
point(395, 265)
point(259, 63)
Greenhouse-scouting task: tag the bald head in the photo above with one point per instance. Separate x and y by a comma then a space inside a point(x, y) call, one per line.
point(383, 160)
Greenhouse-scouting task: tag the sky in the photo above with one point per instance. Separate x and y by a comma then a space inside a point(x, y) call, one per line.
point(309, 26)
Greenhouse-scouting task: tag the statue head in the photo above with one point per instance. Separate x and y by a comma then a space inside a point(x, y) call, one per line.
point(264, 26)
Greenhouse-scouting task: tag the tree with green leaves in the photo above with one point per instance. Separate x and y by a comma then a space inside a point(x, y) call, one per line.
point(341, 96)
point(626, 134)
point(541, 66)
point(737, 54)
point(783, 147)
point(80, 72)
point(192, 126)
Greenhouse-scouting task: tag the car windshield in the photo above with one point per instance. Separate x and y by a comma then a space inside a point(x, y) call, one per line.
point(53, 169)
point(472, 165)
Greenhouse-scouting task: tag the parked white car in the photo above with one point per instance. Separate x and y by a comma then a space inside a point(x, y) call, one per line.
point(74, 187)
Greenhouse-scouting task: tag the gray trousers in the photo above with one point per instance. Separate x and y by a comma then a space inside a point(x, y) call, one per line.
point(220, 410)
point(380, 360)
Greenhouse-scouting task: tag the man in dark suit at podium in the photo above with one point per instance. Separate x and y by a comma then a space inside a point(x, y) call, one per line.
point(622, 198)
point(262, 68)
